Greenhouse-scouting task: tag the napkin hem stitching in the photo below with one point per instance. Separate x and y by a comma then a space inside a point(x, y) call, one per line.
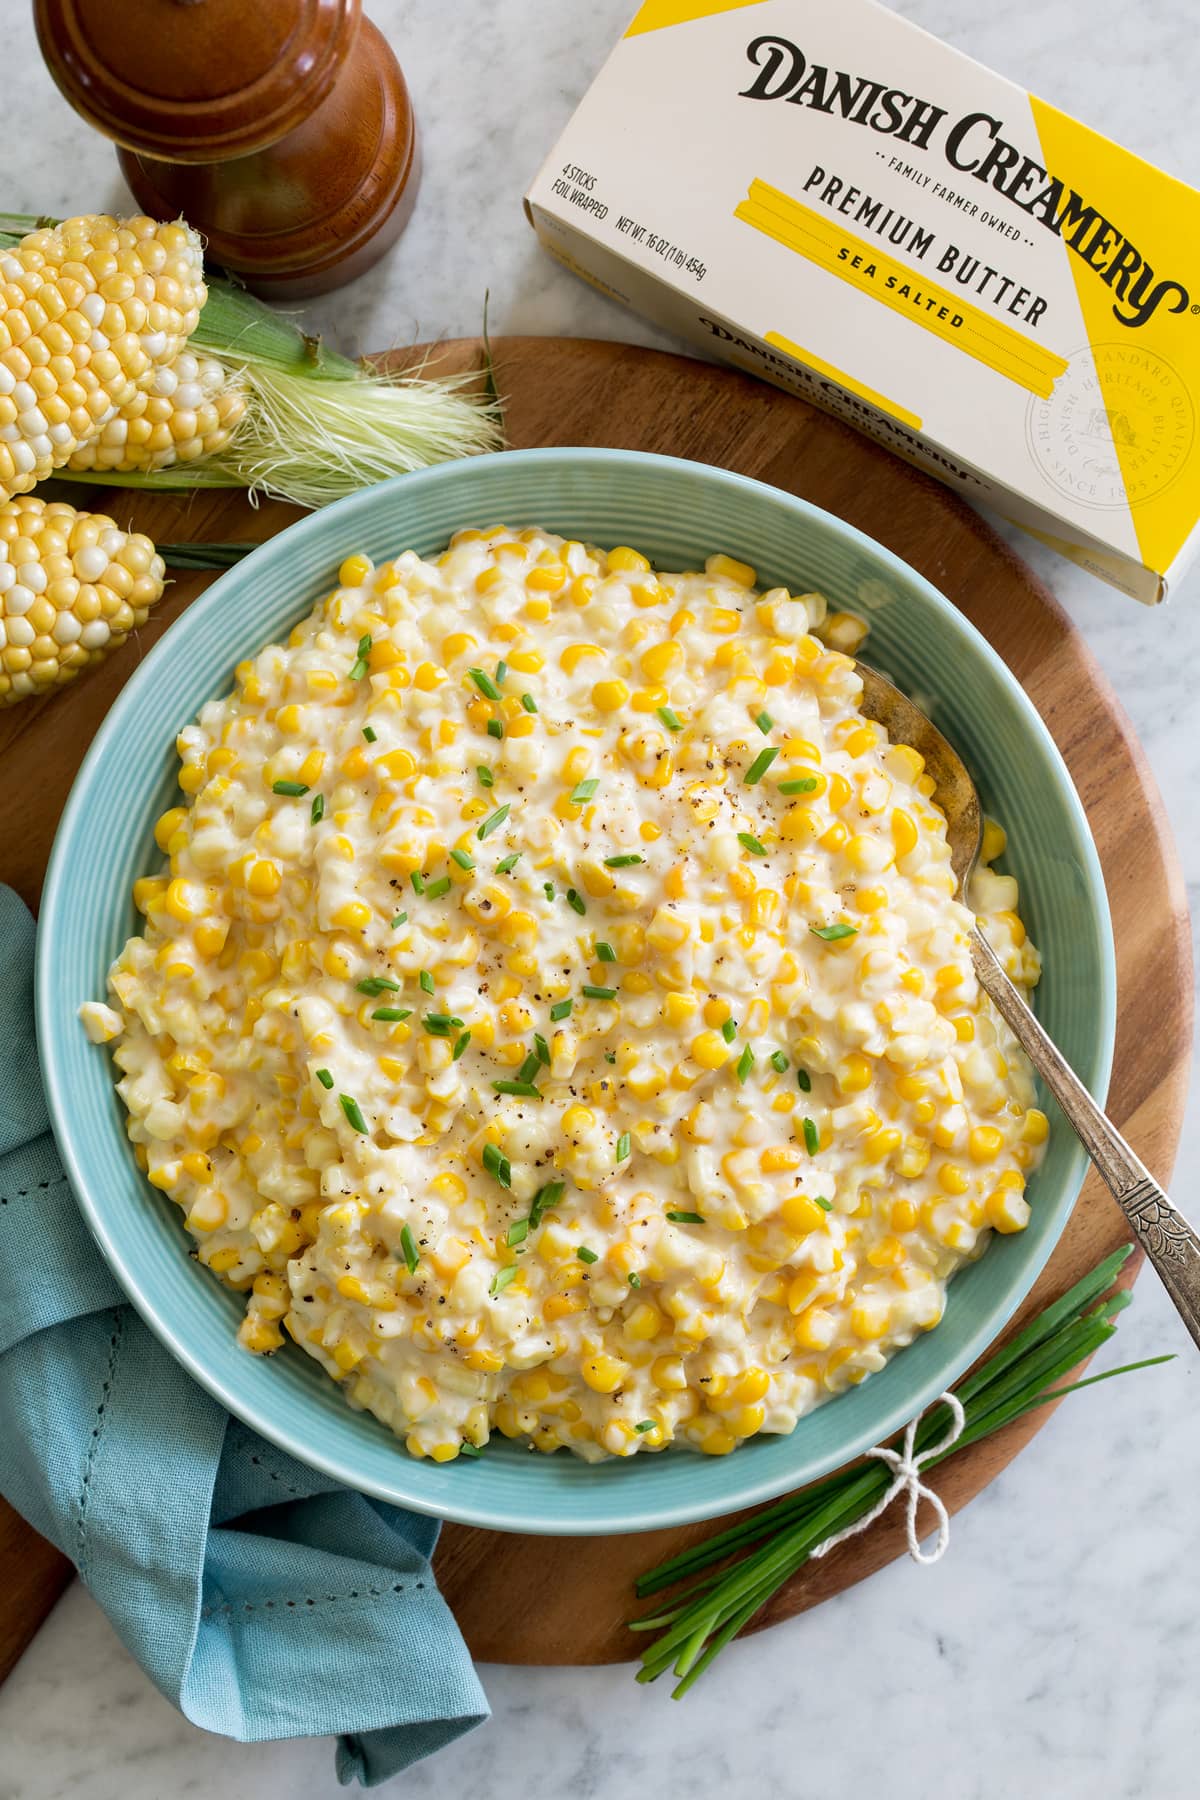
point(114, 1350)
point(229, 1610)
point(40, 1187)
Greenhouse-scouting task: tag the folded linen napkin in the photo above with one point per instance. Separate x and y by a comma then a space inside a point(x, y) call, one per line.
point(262, 1599)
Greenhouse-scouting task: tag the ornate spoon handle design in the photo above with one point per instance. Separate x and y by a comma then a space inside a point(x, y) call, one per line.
point(1162, 1231)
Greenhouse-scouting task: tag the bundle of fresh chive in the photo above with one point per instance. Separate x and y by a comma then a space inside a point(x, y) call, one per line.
point(770, 1547)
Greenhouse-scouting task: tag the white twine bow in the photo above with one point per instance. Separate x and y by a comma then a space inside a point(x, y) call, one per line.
point(906, 1478)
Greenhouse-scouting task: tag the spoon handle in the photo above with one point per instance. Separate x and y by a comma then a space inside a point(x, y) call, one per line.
point(1162, 1231)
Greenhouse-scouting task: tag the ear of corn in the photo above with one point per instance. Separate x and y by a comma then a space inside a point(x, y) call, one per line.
point(89, 311)
point(287, 416)
point(192, 409)
point(72, 586)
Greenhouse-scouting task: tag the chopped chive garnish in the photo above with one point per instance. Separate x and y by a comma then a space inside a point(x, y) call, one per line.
point(624, 1146)
point(466, 1448)
point(744, 1064)
point(493, 822)
point(463, 859)
point(541, 1049)
point(670, 719)
point(364, 645)
point(764, 722)
point(749, 842)
point(497, 1164)
point(543, 1200)
point(585, 1255)
point(408, 1244)
point(392, 1015)
point(290, 790)
point(486, 778)
point(548, 889)
point(576, 902)
point(645, 1425)
point(561, 1010)
point(583, 791)
point(819, 1200)
point(418, 881)
point(353, 1112)
point(685, 1218)
point(484, 683)
point(804, 1081)
point(833, 934)
point(378, 984)
point(507, 864)
point(400, 919)
point(729, 1030)
point(426, 981)
point(370, 733)
point(517, 1233)
point(460, 1044)
point(610, 1056)
point(495, 728)
point(529, 1067)
point(779, 1062)
point(501, 672)
point(501, 1279)
point(359, 666)
point(529, 703)
point(622, 862)
point(812, 1137)
point(605, 952)
point(325, 1078)
point(759, 766)
point(598, 993)
point(802, 785)
point(437, 888)
point(440, 1024)
point(318, 809)
point(634, 1280)
point(525, 1089)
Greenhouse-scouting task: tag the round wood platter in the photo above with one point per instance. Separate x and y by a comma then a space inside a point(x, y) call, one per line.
point(565, 1600)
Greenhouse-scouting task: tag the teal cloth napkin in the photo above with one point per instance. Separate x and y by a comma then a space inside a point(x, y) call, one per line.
point(263, 1600)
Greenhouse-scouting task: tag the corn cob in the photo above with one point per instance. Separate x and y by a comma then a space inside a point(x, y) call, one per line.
point(72, 587)
point(191, 409)
point(88, 311)
point(315, 425)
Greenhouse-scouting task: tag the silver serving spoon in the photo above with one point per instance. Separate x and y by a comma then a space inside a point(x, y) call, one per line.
point(1162, 1231)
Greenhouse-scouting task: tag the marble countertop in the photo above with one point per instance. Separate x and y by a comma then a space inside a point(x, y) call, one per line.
point(1055, 1652)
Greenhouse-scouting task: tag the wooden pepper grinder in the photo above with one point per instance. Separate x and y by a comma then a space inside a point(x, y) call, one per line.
point(281, 129)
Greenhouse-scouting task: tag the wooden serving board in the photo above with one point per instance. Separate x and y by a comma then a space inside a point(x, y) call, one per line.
point(565, 1600)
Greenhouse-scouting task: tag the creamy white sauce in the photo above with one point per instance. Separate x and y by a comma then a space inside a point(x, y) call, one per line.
point(836, 1124)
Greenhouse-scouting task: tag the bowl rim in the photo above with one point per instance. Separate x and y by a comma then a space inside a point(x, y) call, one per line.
point(466, 1509)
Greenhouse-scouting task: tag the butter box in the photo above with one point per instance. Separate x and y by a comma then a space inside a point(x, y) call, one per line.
point(822, 194)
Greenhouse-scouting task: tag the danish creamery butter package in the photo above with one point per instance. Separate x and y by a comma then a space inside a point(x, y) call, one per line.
point(821, 193)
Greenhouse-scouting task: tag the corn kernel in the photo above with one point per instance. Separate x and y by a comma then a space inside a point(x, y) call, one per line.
point(604, 1374)
point(609, 696)
point(801, 1214)
point(729, 569)
point(1036, 1127)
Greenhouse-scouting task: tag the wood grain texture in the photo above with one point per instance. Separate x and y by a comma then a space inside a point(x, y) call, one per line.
point(565, 1600)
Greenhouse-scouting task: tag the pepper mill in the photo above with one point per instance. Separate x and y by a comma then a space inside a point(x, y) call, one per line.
point(280, 129)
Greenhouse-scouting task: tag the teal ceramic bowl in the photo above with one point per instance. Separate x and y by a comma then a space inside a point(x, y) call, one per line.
point(677, 513)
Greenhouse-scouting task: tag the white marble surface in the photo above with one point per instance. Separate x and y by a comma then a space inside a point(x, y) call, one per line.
point(1056, 1652)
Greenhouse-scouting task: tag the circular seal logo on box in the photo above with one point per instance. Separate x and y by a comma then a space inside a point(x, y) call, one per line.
point(1117, 428)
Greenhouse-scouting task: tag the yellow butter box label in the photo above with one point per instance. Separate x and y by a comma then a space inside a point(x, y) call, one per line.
point(819, 191)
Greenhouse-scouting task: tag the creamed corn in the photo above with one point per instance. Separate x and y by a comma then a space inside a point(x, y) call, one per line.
point(553, 1010)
